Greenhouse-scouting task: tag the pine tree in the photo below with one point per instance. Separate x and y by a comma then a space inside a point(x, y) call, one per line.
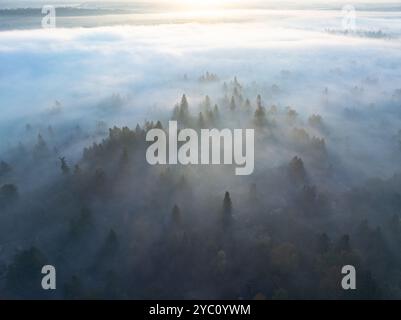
point(201, 121)
point(8, 194)
point(40, 150)
point(260, 116)
point(159, 125)
point(323, 243)
point(259, 101)
point(176, 216)
point(77, 170)
point(4, 168)
point(344, 244)
point(64, 167)
point(24, 274)
point(253, 192)
point(248, 106)
point(176, 112)
point(111, 242)
point(297, 171)
point(124, 161)
point(216, 112)
point(207, 103)
point(232, 104)
point(184, 109)
point(227, 209)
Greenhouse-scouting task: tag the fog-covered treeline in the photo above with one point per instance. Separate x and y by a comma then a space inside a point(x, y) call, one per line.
point(116, 227)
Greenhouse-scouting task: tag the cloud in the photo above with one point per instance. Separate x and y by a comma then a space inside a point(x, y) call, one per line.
point(146, 64)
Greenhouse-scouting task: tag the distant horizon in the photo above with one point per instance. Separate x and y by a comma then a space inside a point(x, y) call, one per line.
point(129, 4)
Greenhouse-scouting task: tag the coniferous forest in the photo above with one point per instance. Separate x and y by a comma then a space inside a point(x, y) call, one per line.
point(117, 227)
point(77, 192)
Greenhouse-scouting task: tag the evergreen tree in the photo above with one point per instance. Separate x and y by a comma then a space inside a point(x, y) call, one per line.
point(8, 194)
point(343, 244)
point(201, 121)
point(159, 125)
point(4, 168)
point(227, 209)
point(77, 170)
point(216, 112)
point(260, 119)
point(65, 169)
point(208, 103)
point(23, 275)
point(111, 242)
point(232, 104)
point(73, 288)
point(176, 216)
point(253, 192)
point(297, 171)
point(81, 224)
point(40, 150)
point(124, 161)
point(259, 101)
point(323, 243)
point(248, 106)
point(184, 109)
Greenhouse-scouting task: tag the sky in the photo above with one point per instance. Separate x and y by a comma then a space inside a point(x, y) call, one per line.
point(201, 3)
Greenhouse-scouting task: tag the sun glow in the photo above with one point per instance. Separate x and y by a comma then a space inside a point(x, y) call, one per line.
point(205, 4)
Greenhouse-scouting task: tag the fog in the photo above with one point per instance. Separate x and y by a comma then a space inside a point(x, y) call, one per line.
point(77, 193)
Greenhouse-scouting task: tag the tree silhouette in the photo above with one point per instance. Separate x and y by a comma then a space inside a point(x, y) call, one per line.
point(233, 106)
point(65, 169)
point(297, 171)
point(227, 209)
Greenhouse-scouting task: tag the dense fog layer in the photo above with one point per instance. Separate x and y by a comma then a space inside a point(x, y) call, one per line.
point(76, 191)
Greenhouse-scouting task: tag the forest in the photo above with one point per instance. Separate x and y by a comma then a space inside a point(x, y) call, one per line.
point(85, 200)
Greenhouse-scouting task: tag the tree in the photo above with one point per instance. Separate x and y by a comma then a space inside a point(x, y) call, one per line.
point(259, 101)
point(40, 150)
point(23, 276)
point(4, 168)
point(73, 289)
point(316, 121)
point(273, 109)
point(291, 115)
point(176, 113)
point(216, 112)
point(323, 243)
point(77, 170)
point(81, 224)
point(50, 130)
point(100, 179)
point(285, 258)
point(227, 209)
point(297, 171)
point(111, 242)
point(201, 121)
point(184, 109)
point(399, 138)
point(207, 103)
point(232, 104)
point(343, 244)
point(158, 125)
point(124, 160)
point(248, 106)
point(8, 194)
point(253, 192)
point(65, 169)
point(260, 113)
point(176, 216)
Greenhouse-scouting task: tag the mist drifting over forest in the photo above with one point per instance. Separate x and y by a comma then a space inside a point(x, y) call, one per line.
point(76, 191)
